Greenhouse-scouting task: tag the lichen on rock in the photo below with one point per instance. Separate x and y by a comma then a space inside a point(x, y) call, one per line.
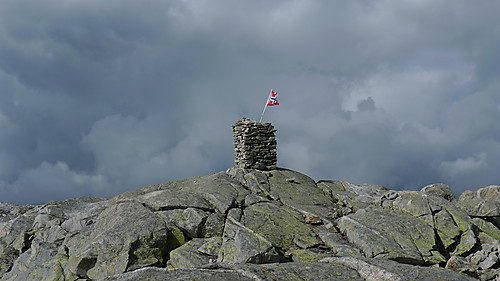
point(248, 224)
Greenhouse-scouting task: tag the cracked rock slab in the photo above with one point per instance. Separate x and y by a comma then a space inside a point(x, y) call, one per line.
point(452, 225)
point(392, 235)
point(485, 202)
point(161, 274)
point(211, 192)
point(282, 226)
point(125, 236)
point(387, 270)
point(247, 272)
point(196, 253)
point(242, 245)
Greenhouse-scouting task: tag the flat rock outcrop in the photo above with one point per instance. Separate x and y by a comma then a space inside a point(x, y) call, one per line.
point(248, 224)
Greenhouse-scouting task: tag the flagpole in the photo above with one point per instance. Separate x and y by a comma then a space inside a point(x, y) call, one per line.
point(267, 101)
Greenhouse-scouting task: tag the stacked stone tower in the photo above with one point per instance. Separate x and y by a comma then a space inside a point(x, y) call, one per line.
point(254, 145)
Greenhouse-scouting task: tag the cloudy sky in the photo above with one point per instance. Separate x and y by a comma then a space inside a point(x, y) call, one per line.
point(100, 97)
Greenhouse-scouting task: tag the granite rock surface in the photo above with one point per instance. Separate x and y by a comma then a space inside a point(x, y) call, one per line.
point(249, 224)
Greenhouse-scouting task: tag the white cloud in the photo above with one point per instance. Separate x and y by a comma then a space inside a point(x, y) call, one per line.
point(412, 94)
point(463, 166)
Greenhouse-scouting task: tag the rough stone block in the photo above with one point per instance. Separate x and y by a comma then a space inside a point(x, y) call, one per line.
point(255, 145)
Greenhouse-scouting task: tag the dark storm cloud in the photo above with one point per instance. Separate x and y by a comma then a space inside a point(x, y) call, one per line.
point(99, 97)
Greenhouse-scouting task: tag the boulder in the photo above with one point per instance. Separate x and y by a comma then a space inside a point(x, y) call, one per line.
point(335, 269)
point(213, 226)
point(460, 264)
point(298, 191)
point(224, 272)
point(282, 226)
point(254, 180)
point(291, 188)
point(485, 202)
point(488, 229)
point(125, 236)
point(42, 261)
point(295, 271)
point(308, 256)
point(392, 235)
point(453, 226)
point(353, 196)
point(10, 211)
point(162, 274)
point(15, 232)
point(196, 253)
point(211, 192)
point(242, 245)
point(338, 245)
point(439, 189)
point(8, 256)
point(366, 270)
point(190, 220)
point(383, 269)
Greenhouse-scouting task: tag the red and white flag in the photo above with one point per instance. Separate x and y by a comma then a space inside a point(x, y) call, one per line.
point(273, 99)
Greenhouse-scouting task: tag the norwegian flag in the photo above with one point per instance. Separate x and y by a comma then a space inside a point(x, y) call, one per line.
point(273, 99)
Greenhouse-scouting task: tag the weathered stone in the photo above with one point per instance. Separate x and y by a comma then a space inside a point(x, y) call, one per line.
point(487, 227)
point(251, 199)
point(439, 189)
point(282, 226)
point(188, 255)
point(352, 196)
point(255, 145)
point(211, 246)
point(480, 207)
point(10, 211)
point(486, 258)
point(162, 274)
point(339, 247)
point(14, 229)
point(366, 270)
point(391, 234)
point(84, 215)
point(7, 257)
point(67, 208)
point(301, 193)
point(254, 180)
point(294, 271)
point(308, 256)
point(124, 236)
point(382, 269)
point(489, 274)
point(242, 245)
point(312, 219)
point(190, 220)
point(451, 223)
point(42, 261)
point(168, 200)
point(214, 225)
point(489, 262)
point(485, 202)
point(279, 272)
point(210, 192)
point(460, 264)
point(252, 216)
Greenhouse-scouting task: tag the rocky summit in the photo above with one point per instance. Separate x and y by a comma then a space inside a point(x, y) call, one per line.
point(246, 224)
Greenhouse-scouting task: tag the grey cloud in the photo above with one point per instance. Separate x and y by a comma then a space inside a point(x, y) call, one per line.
point(99, 97)
point(366, 105)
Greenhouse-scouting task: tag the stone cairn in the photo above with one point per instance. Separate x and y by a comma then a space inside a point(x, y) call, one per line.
point(254, 145)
